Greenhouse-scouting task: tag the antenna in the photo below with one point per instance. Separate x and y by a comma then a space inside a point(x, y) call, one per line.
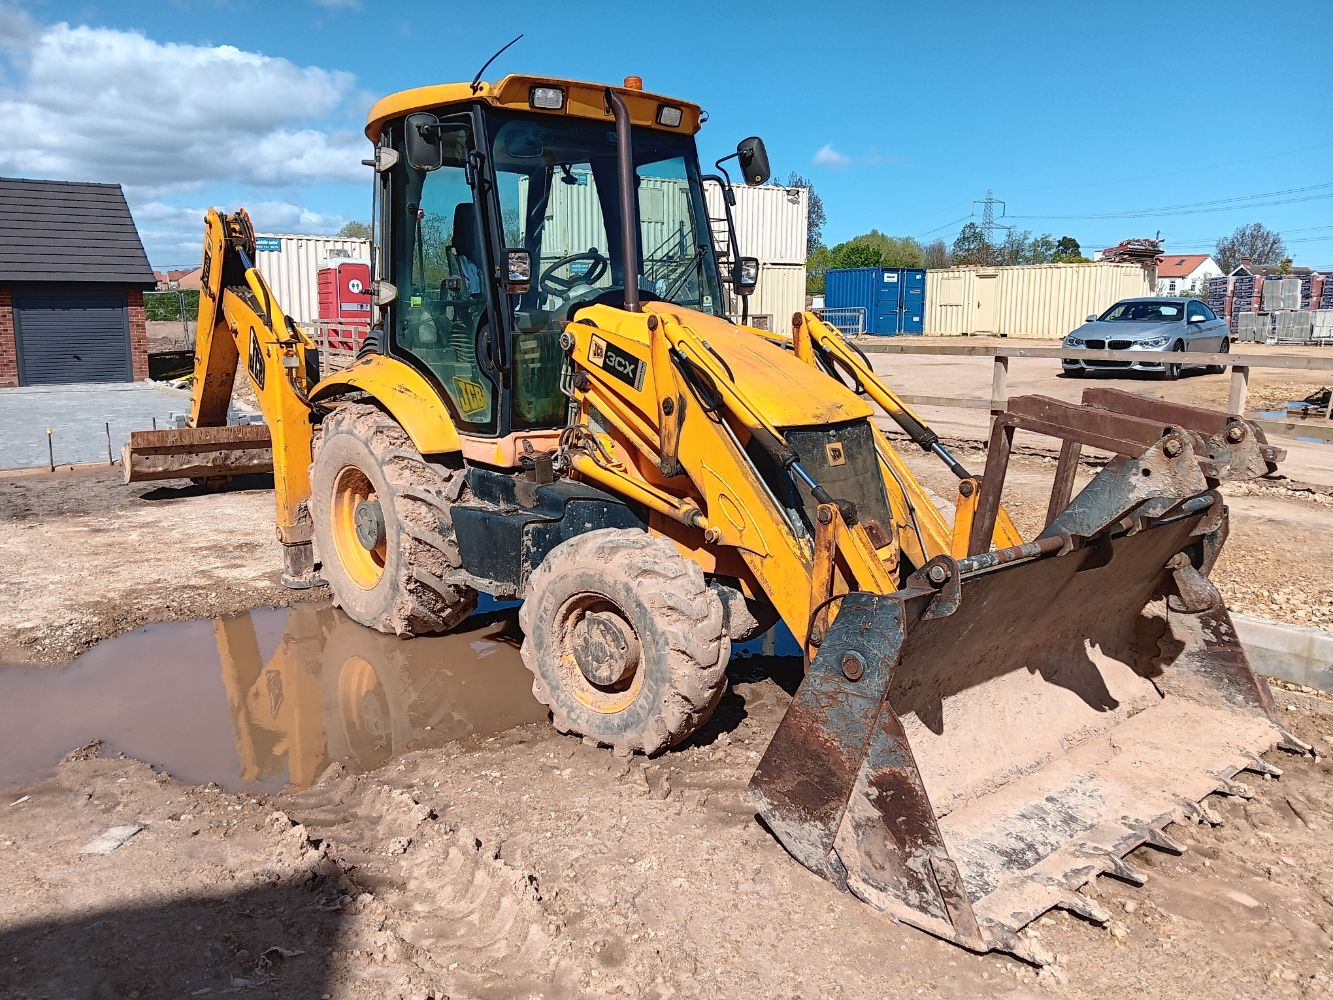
point(476, 80)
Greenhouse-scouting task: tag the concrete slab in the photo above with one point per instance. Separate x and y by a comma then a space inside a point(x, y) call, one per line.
point(77, 416)
point(1292, 652)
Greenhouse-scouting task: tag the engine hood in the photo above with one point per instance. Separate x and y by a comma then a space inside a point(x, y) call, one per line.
point(786, 390)
point(1125, 330)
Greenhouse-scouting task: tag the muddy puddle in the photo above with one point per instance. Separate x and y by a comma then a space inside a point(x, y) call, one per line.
point(266, 700)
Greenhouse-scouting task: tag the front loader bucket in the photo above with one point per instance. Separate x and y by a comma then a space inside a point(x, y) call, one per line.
point(964, 754)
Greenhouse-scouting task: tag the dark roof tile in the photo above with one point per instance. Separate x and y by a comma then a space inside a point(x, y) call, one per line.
point(69, 231)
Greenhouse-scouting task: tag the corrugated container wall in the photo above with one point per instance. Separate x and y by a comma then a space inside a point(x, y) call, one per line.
point(1043, 301)
point(290, 265)
point(780, 292)
point(770, 220)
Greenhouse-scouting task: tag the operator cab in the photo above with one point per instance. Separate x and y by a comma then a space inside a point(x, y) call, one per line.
point(500, 215)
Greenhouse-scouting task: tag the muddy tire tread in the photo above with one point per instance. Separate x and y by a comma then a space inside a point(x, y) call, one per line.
point(687, 614)
point(420, 606)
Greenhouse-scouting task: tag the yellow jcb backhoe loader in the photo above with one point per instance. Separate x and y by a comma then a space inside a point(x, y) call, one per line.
point(554, 406)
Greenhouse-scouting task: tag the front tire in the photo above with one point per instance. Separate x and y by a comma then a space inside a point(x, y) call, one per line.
point(1171, 372)
point(626, 642)
point(1224, 348)
point(382, 528)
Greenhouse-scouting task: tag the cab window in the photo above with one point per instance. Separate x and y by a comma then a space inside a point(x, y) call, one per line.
point(440, 317)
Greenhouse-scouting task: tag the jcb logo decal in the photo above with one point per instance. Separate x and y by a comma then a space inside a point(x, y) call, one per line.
point(836, 454)
point(471, 396)
point(597, 351)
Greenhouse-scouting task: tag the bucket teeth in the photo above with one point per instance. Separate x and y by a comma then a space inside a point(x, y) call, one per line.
point(1257, 765)
point(1116, 865)
point(1085, 907)
point(1225, 786)
point(1157, 838)
point(1291, 744)
point(1197, 812)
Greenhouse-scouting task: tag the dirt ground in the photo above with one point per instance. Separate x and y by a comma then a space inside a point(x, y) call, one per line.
point(87, 558)
point(530, 864)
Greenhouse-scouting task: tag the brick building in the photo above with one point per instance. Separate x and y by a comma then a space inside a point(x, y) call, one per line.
point(72, 276)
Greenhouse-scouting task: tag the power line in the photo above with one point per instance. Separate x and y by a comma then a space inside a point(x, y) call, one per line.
point(1199, 207)
point(947, 225)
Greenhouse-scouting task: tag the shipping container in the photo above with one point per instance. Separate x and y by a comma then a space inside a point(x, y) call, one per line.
point(291, 263)
point(892, 298)
point(770, 220)
point(779, 293)
point(1044, 301)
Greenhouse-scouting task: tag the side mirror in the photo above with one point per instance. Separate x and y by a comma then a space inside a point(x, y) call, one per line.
point(1195, 319)
point(754, 160)
point(1091, 319)
point(424, 149)
point(518, 271)
point(745, 275)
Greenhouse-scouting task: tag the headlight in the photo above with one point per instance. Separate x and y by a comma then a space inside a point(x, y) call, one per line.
point(1155, 343)
point(547, 98)
point(1072, 341)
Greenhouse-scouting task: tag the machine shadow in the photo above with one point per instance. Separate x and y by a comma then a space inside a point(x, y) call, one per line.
point(270, 941)
point(237, 484)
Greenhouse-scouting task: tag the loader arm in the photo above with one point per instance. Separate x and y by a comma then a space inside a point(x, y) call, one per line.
point(240, 318)
point(980, 734)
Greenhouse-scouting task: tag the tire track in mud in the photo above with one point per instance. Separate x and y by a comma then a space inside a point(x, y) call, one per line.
point(435, 910)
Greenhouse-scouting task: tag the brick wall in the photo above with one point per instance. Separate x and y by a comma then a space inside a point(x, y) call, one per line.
point(9, 358)
point(138, 335)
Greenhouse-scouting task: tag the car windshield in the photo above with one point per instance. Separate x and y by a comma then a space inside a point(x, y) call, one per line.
point(1143, 312)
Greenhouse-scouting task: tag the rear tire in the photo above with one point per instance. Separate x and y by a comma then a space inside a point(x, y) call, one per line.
point(628, 608)
point(1172, 372)
point(363, 459)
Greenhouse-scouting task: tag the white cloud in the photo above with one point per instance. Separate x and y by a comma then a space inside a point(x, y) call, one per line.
point(829, 157)
point(173, 234)
point(85, 103)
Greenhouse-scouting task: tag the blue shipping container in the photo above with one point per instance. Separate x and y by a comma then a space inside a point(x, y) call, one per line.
point(892, 299)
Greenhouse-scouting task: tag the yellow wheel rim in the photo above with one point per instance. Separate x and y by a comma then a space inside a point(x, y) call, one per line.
point(365, 567)
point(608, 699)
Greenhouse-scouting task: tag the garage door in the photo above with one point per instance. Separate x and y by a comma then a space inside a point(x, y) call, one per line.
point(71, 334)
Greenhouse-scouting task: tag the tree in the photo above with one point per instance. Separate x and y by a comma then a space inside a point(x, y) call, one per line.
point(1067, 251)
point(354, 230)
point(814, 219)
point(1256, 241)
point(876, 249)
point(935, 254)
point(819, 262)
point(972, 247)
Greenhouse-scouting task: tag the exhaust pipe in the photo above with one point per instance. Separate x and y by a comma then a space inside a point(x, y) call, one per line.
point(629, 235)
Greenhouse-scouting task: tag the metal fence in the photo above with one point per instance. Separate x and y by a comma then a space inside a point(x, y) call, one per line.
point(850, 320)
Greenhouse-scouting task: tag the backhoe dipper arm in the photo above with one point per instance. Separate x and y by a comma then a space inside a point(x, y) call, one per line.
point(239, 317)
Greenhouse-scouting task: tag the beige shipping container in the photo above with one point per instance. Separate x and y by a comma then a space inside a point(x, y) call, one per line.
point(770, 220)
point(779, 293)
point(1043, 301)
point(291, 267)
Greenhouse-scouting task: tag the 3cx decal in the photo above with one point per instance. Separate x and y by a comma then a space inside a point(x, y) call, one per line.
point(620, 363)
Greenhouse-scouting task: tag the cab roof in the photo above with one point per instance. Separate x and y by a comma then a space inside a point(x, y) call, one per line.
point(584, 100)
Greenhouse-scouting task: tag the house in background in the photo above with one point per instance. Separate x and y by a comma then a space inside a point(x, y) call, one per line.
point(1246, 266)
point(1185, 273)
point(179, 278)
point(72, 276)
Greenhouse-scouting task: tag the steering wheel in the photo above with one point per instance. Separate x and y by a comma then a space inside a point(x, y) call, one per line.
point(553, 284)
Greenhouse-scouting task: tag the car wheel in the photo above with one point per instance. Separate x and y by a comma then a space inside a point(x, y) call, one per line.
point(1225, 348)
point(1174, 370)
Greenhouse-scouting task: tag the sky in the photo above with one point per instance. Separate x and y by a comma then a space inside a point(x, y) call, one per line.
point(1102, 121)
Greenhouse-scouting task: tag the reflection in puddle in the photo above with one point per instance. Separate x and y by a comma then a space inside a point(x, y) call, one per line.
point(267, 699)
